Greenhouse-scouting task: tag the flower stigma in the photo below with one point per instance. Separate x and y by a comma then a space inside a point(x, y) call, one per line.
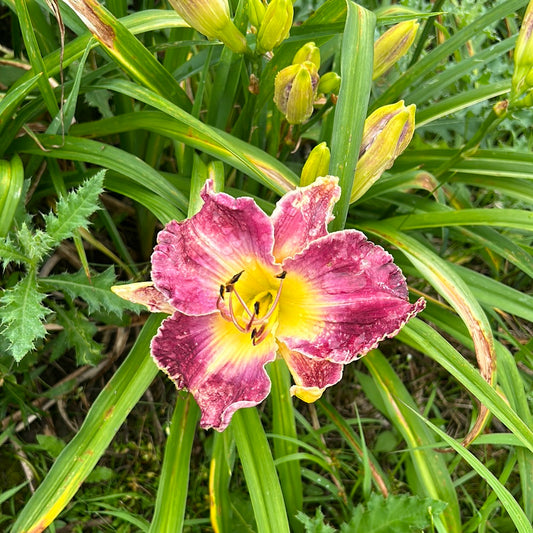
point(257, 319)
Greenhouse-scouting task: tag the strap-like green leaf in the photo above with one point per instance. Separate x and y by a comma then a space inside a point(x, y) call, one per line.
point(101, 424)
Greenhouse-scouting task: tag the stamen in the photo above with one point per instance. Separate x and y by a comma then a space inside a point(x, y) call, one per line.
point(242, 302)
point(232, 313)
point(275, 302)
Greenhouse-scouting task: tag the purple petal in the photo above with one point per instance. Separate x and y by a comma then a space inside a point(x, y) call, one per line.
point(219, 365)
point(311, 376)
point(194, 257)
point(302, 215)
point(341, 296)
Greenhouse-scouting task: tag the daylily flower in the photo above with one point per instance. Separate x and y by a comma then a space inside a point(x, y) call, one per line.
point(243, 287)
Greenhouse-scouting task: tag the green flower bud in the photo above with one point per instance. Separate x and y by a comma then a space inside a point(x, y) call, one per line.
point(308, 52)
point(393, 45)
point(330, 82)
point(295, 90)
point(256, 12)
point(317, 164)
point(500, 108)
point(386, 134)
point(275, 26)
point(522, 80)
point(212, 18)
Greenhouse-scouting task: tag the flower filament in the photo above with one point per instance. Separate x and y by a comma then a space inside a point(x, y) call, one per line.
point(256, 319)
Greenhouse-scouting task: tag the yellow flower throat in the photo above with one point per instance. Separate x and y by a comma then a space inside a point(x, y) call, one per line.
point(256, 316)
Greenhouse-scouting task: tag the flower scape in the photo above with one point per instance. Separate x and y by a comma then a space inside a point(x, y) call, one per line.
point(243, 288)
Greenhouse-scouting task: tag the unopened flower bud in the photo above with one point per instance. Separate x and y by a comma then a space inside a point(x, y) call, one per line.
point(275, 25)
point(330, 82)
point(317, 164)
point(256, 12)
point(522, 81)
point(295, 90)
point(212, 18)
point(386, 134)
point(500, 108)
point(393, 45)
point(308, 52)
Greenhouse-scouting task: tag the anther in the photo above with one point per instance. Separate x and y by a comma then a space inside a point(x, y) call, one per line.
point(282, 275)
point(235, 278)
point(221, 291)
point(256, 308)
point(259, 336)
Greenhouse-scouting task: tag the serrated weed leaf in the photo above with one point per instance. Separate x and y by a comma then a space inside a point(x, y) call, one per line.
point(74, 209)
point(78, 333)
point(96, 292)
point(21, 316)
point(10, 253)
point(395, 514)
point(35, 244)
point(315, 524)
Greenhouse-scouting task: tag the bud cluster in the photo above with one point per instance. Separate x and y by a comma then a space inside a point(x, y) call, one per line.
point(297, 86)
point(212, 18)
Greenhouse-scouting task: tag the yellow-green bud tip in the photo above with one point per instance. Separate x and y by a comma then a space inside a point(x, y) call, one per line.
point(393, 45)
point(212, 18)
point(295, 90)
point(386, 134)
point(308, 52)
point(317, 164)
point(275, 25)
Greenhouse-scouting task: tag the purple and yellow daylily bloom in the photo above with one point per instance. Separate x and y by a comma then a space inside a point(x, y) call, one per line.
point(243, 288)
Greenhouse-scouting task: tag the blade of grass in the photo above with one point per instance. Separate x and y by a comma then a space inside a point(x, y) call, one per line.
point(350, 112)
point(356, 445)
point(430, 466)
point(35, 58)
point(283, 423)
point(523, 525)
point(217, 143)
point(219, 480)
point(13, 98)
point(173, 486)
point(128, 51)
point(260, 473)
point(104, 419)
point(131, 167)
point(11, 185)
point(509, 218)
point(423, 338)
point(444, 279)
